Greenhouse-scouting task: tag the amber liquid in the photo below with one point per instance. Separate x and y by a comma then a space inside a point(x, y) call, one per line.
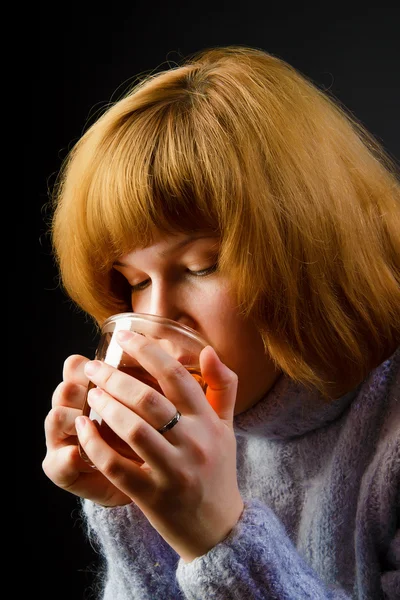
point(107, 433)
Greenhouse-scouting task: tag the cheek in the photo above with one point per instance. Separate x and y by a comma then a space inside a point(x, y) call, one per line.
point(240, 347)
point(236, 340)
point(256, 374)
point(141, 302)
point(244, 349)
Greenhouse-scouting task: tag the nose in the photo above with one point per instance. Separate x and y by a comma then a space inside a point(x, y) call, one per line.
point(166, 301)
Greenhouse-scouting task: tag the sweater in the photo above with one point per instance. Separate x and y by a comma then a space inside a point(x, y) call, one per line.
point(321, 489)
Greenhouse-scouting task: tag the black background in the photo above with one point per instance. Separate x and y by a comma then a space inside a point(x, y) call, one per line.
point(79, 56)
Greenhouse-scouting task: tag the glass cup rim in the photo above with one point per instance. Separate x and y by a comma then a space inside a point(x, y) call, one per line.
point(175, 325)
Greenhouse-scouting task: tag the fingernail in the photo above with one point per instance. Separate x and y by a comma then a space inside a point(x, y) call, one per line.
point(80, 423)
point(124, 336)
point(94, 393)
point(92, 366)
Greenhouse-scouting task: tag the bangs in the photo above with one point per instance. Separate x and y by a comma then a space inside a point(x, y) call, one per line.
point(150, 175)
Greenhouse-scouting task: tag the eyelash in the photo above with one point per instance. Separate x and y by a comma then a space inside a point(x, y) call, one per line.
point(202, 273)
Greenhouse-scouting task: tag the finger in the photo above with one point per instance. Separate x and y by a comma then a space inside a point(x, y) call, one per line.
point(222, 384)
point(145, 401)
point(69, 394)
point(68, 471)
point(149, 444)
point(74, 369)
point(121, 472)
point(177, 384)
point(59, 426)
point(126, 475)
point(64, 466)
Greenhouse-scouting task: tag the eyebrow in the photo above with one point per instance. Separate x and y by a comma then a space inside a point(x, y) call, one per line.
point(181, 244)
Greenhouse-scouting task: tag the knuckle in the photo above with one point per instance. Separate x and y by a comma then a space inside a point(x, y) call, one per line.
point(49, 468)
point(174, 371)
point(185, 480)
point(55, 418)
point(77, 394)
point(111, 380)
point(71, 364)
point(55, 469)
point(58, 394)
point(201, 454)
point(112, 468)
point(45, 466)
point(234, 377)
point(147, 399)
point(137, 433)
point(67, 393)
point(230, 379)
point(141, 341)
point(102, 401)
point(108, 376)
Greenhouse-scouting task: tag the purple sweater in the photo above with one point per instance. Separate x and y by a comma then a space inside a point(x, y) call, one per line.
point(321, 486)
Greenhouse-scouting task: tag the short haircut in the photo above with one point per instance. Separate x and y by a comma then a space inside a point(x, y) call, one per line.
point(306, 202)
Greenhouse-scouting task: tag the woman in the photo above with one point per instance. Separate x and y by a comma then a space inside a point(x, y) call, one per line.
point(232, 195)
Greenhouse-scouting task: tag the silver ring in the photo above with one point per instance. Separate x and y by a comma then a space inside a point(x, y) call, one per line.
point(170, 423)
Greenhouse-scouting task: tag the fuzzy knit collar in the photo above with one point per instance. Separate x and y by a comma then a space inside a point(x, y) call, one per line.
point(289, 410)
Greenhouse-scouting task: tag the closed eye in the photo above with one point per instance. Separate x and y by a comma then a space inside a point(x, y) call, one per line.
point(138, 287)
point(204, 272)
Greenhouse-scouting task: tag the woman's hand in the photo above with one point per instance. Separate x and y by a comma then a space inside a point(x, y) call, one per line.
point(62, 463)
point(187, 485)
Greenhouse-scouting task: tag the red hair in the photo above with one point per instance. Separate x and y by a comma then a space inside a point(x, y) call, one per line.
point(305, 201)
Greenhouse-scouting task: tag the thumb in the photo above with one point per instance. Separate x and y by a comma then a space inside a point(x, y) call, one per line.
point(221, 384)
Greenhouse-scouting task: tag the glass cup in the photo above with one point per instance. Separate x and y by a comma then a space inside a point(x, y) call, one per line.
point(179, 341)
